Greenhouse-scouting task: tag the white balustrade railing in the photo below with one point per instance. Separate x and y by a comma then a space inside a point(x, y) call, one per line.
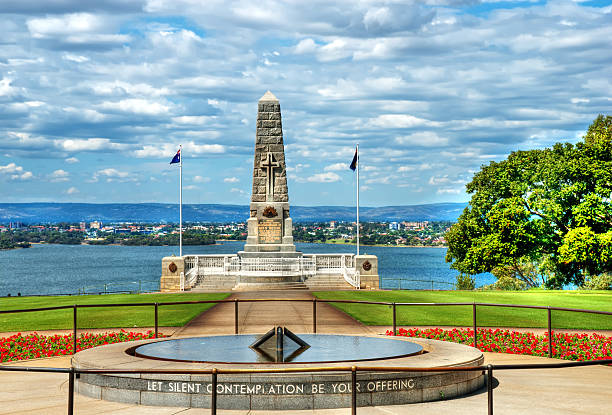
point(305, 266)
point(189, 279)
point(332, 263)
point(352, 277)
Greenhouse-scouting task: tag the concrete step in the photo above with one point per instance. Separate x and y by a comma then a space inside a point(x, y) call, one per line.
point(270, 286)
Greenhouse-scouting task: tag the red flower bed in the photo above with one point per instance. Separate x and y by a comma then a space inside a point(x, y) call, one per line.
point(564, 346)
point(32, 346)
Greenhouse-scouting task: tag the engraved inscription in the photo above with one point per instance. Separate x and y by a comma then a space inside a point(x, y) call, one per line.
point(270, 231)
point(230, 388)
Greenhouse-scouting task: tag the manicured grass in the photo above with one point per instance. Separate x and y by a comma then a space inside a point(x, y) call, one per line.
point(103, 317)
point(486, 316)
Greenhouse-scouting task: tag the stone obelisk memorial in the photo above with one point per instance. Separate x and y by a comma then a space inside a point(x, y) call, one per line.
point(270, 229)
point(269, 258)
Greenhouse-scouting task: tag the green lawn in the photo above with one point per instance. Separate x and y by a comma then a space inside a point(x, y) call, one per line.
point(486, 316)
point(103, 317)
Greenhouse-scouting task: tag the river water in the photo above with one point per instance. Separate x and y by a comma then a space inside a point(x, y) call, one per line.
point(64, 269)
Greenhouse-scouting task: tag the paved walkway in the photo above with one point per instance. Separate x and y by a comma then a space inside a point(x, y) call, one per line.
point(259, 317)
point(546, 391)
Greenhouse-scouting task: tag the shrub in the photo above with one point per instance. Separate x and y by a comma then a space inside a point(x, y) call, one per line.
point(507, 284)
point(465, 282)
point(598, 282)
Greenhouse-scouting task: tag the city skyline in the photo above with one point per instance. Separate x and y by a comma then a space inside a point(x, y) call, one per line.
point(96, 97)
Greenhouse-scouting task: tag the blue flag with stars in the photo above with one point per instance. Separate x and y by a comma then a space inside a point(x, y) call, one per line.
point(176, 158)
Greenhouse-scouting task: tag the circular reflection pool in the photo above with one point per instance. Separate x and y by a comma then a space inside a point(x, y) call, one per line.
point(235, 349)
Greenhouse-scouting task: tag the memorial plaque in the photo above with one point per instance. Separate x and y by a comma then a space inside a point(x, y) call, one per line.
point(270, 231)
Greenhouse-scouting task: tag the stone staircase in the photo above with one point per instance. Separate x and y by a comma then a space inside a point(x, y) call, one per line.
point(228, 283)
point(215, 283)
point(327, 282)
point(270, 286)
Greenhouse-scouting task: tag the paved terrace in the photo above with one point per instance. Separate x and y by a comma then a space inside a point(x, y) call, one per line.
point(586, 390)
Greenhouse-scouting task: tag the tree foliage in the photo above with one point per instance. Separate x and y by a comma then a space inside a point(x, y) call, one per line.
point(540, 214)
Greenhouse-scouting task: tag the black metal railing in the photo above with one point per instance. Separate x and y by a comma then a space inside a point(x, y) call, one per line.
point(315, 301)
point(354, 370)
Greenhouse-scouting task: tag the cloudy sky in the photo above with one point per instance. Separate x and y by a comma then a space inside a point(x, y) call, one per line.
point(96, 96)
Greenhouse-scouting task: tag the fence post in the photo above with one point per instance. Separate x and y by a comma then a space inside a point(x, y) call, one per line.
point(104, 288)
point(550, 353)
point(156, 319)
point(490, 389)
point(432, 285)
point(394, 320)
point(71, 391)
point(213, 397)
point(139, 286)
point(474, 321)
point(235, 316)
point(314, 315)
point(353, 390)
point(74, 329)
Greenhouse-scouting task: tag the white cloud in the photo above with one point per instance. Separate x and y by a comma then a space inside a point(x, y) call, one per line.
point(328, 177)
point(305, 46)
point(398, 121)
point(137, 106)
point(167, 150)
point(72, 160)
point(59, 176)
point(89, 144)
point(422, 139)
point(15, 172)
point(6, 90)
point(336, 167)
point(231, 180)
point(75, 58)
point(200, 179)
point(75, 29)
point(403, 169)
point(113, 175)
point(191, 119)
point(72, 191)
point(297, 168)
point(451, 191)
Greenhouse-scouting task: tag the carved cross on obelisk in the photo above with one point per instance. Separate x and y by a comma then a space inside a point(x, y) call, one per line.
point(269, 164)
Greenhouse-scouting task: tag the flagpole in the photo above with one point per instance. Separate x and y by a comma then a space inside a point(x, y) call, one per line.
point(181, 201)
point(357, 198)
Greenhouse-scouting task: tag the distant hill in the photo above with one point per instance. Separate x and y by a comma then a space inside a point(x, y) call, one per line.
point(161, 212)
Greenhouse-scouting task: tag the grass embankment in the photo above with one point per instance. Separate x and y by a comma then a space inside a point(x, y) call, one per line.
point(103, 317)
point(379, 315)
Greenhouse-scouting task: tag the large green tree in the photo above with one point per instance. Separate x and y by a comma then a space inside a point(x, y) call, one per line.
point(550, 209)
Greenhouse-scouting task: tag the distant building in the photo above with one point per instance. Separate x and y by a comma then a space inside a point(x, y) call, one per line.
point(415, 226)
point(332, 224)
point(83, 226)
point(95, 225)
point(393, 226)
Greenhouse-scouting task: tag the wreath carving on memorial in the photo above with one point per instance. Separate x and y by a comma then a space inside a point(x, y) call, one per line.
point(270, 212)
point(172, 267)
point(367, 266)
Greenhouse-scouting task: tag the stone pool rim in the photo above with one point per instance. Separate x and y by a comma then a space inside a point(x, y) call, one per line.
point(133, 351)
point(133, 387)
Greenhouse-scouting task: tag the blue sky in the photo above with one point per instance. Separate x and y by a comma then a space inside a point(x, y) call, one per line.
point(95, 97)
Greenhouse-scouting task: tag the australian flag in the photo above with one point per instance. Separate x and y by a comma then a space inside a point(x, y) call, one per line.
point(177, 158)
point(353, 165)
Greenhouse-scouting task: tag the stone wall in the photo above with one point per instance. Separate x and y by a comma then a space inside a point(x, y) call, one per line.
point(367, 265)
point(171, 275)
